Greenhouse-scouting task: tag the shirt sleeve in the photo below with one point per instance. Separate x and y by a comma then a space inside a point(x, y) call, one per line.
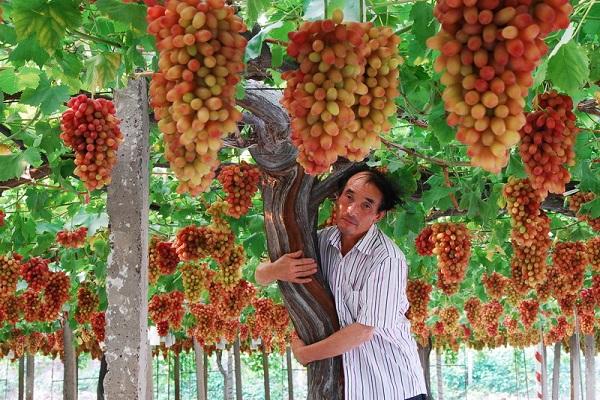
point(383, 299)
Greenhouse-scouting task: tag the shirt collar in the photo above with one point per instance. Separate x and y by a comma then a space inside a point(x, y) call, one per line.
point(364, 245)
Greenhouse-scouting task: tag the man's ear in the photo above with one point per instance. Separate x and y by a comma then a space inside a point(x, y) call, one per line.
point(380, 216)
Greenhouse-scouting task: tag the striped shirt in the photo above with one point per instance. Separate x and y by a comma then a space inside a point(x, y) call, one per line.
point(369, 287)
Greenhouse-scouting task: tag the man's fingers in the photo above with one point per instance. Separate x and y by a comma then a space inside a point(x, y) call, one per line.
point(301, 280)
point(306, 268)
point(295, 254)
point(303, 261)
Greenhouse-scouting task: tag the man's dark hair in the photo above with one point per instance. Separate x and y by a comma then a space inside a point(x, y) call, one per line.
point(390, 197)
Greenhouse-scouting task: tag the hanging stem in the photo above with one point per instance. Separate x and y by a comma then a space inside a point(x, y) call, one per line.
point(325, 9)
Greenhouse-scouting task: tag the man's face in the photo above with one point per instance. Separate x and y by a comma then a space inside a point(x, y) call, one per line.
point(357, 206)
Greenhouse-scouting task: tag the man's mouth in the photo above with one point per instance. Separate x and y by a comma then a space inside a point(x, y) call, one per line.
point(349, 221)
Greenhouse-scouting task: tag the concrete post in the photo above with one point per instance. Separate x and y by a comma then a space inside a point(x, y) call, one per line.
point(127, 280)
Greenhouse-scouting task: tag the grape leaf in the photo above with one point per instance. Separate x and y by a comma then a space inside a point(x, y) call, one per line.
point(569, 68)
point(132, 14)
point(423, 23)
point(8, 81)
point(47, 21)
point(28, 49)
point(253, 10)
point(13, 165)
point(101, 69)
point(48, 97)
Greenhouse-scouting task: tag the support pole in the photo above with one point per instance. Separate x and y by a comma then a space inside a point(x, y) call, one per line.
point(290, 372)
point(238, 368)
point(556, 371)
point(424, 352)
point(30, 377)
point(127, 280)
point(21, 378)
point(544, 368)
point(200, 381)
point(575, 366)
point(101, 376)
point(438, 372)
point(590, 367)
point(266, 380)
point(149, 388)
point(177, 376)
point(70, 367)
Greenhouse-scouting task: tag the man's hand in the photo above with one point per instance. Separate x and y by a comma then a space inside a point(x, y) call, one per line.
point(298, 349)
point(290, 267)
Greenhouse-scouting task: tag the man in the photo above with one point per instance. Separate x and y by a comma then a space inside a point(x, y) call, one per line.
point(367, 275)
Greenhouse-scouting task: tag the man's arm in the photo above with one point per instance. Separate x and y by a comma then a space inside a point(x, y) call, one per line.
point(340, 342)
point(290, 267)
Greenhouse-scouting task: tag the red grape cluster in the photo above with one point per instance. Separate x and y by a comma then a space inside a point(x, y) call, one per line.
point(206, 316)
point(2, 216)
point(30, 305)
point(593, 253)
point(231, 301)
point(424, 242)
point(453, 249)
point(56, 294)
point(547, 141)
point(575, 203)
point(73, 239)
point(529, 310)
point(489, 50)
point(193, 94)
point(523, 205)
point(230, 269)
point(166, 311)
point(166, 257)
point(418, 293)
point(10, 269)
point(490, 314)
point(343, 92)
point(195, 278)
point(569, 262)
point(98, 322)
point(240, 182)
point(559, 331)
point(36, 273)
point(532, 258)
point(91, 129)
point(153, 270)
point(87, 302)
point(10, 309)
point(472, 310)
point(494, 284)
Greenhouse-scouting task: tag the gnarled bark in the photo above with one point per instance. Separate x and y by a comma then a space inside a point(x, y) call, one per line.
point(290, 209)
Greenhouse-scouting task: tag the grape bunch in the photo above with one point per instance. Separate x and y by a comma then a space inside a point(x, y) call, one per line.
point(232, 301)
point(190, 243)
point(10, 269)
point(593, 253)
point(240, 182)
point(532, 258)
point(30, 305)
point(56, 294)
point(10, 309)
point(36, 273)
point(230, 269)
point(472, 310)
point(153, 270)
point(418, 293)
point(342, 94)
point(495, 285)
point(523, 205)
point(453, 249)
point(529, 310)
point(576, 201)
point(2, 216)
point(490, 314)
point(547, 141)
point(193, 94)
point(424, 242)
point(449, 317)
point(195, 278)
point(98, 322)
point(166, 257)
point(73, 239)
point(568, 271)
point(559, 331)
point(90, 128)
point(206, 318)
point(87, 302)
point(489, 50)
point(166, 311)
